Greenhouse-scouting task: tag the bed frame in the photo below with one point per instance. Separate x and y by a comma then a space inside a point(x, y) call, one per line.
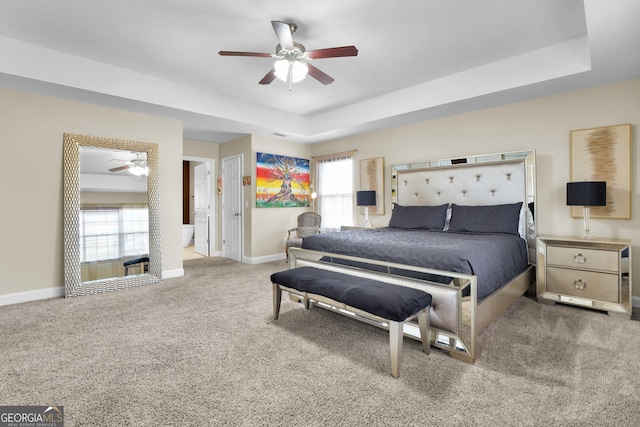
point(457, 317)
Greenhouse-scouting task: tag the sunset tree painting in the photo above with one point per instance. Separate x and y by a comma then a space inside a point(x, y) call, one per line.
point(281, 181)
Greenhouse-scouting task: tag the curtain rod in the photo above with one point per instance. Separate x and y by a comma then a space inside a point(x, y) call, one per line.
point(334, 155)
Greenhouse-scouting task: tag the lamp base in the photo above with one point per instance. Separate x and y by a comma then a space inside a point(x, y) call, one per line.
point(366, 217)
point(586, 214)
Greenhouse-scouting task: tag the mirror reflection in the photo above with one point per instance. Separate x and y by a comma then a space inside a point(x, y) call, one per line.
point(120, 178)
point(114, 213)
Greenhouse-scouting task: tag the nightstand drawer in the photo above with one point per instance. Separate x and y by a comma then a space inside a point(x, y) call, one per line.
point(588, 259)
point(583, 284)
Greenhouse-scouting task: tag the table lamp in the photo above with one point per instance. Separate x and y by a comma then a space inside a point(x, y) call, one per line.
point(586, 194)
point(366, 199)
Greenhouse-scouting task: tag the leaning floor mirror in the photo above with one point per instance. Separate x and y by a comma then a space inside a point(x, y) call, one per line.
point(111, 214)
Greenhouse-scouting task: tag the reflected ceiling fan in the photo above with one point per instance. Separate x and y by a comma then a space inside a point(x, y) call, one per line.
point(137, 166)
point(292, 58)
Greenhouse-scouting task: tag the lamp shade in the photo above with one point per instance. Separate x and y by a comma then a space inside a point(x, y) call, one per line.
point(366, 198)
point(587, 193)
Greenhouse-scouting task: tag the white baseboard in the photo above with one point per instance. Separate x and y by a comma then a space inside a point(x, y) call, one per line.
point(170, 274)
point(263, 259)
point(58, 292)
point(19, 297)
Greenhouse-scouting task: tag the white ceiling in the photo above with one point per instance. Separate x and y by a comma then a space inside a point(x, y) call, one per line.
point(95, 175)
point(417, 59)
point(100, 160)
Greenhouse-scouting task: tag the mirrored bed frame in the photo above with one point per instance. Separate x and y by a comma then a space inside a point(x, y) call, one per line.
point(457, 316)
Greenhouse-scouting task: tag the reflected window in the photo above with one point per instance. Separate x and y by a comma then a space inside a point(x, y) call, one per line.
point(113, 232)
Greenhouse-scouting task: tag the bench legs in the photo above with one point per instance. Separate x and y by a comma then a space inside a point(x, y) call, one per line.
point(424, 323)
point(396, 329)
point(395, 340)
point(277, 300)
point(396, 333)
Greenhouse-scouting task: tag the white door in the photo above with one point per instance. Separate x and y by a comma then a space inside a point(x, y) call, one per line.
point(232, 208)
point(201, 207)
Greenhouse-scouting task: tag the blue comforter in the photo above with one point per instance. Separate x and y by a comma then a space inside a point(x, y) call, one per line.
point(494, 259)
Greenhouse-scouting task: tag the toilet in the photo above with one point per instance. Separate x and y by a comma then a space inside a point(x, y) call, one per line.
point(187, 234)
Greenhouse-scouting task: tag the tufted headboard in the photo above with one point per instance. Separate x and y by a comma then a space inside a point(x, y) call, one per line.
point(477, 180)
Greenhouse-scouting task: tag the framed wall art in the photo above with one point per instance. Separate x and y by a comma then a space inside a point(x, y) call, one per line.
point(604, 154)
point(372, 178)
point(281, 181)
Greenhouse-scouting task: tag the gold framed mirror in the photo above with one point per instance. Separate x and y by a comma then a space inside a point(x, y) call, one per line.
point(132, 158)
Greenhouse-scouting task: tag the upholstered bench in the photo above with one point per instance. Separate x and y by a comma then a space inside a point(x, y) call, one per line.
point(373, 299)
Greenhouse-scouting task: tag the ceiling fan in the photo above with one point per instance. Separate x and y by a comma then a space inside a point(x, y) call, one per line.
point(292, 58)
point(135, 166)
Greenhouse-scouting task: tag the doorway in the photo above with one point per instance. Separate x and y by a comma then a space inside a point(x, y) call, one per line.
point(198, 207)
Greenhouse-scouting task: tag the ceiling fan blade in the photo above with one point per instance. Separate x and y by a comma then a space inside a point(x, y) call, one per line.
point(283, 31)
point(333, 52)
point(320, 76)
point(271, 75)
point(233, 53)
point(120, 168)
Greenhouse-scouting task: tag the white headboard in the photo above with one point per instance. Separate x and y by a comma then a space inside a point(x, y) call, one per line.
point(477, 180)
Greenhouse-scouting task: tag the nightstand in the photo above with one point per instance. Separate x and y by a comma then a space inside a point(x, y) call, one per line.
point(587, 273)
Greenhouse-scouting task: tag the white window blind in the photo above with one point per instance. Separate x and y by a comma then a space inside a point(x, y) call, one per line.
point(335, 191)
point(113, 232)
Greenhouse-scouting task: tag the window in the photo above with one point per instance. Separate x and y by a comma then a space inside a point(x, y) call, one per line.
point(335, 190)
point(113, 232)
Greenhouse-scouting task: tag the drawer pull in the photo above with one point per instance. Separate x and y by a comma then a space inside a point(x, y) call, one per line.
point(580, 284)
point(579, 258)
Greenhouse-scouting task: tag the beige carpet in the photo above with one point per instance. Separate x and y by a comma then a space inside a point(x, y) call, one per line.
point(203, 350)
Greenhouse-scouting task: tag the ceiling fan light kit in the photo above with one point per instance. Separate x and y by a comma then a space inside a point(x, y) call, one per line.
point(139, 170)
point(136, 167)
point(293, 71)
point(291, 65)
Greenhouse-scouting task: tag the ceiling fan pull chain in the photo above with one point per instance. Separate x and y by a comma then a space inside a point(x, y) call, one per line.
point(290, 76)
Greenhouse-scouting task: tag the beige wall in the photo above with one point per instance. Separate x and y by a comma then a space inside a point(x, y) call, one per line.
point(270, 225)
point(31, 256)
point(543, 125)
point(200, 149)
point(111, 197)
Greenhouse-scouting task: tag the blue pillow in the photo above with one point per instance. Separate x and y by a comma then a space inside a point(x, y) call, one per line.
point(503, 219)
point(423, 217)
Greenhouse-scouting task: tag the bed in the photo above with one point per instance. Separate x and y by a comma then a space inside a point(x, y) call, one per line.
point(461, 229)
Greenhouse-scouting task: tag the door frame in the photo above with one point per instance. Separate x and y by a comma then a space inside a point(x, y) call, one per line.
point(225, 188)
point(212, 199)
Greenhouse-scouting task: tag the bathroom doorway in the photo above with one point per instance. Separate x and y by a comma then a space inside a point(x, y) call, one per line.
point(198, 213)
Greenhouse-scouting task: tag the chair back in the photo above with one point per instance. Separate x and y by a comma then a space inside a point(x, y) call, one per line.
point(308, 224)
